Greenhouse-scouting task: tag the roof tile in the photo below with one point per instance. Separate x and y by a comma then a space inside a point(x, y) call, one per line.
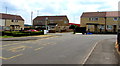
point(9, 16)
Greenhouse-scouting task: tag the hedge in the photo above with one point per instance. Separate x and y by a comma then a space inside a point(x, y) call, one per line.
point(18, 33)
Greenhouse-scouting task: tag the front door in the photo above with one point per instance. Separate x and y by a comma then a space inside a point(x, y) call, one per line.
point(95, 28)
point(114, 28)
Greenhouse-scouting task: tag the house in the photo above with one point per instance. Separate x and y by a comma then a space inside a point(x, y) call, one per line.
point(100, 21)
point(57, 23)
point(11, 22)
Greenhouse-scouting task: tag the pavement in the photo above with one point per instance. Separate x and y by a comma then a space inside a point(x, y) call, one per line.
point(27, 38)
point(104, 53)
point(118, 52)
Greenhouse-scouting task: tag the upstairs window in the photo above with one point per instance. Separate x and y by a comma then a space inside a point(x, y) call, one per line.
point(93, 19)
point(65, 22)
point(115, 18)
point(14, 20)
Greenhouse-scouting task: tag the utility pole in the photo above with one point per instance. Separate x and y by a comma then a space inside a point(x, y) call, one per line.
point(37, 12)
point(6, 9)
point(31, 18)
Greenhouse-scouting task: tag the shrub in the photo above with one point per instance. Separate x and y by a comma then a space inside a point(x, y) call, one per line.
point(8, 33)
point(18, 34)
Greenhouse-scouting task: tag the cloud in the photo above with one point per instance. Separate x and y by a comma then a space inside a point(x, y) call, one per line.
point(72, 8)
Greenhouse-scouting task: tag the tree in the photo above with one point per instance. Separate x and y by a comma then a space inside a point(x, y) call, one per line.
point(73, 27)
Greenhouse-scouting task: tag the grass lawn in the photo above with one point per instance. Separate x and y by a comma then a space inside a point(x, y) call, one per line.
point(6, 36)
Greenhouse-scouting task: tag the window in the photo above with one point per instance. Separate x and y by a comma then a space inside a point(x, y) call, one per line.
point(93, 19)
point(101, 26)
point(65, 22)
point(109, 26)
point(16, 20)
point(12, 20)
point(115, 18)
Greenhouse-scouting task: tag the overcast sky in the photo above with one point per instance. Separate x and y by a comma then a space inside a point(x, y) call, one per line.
point(72, 8)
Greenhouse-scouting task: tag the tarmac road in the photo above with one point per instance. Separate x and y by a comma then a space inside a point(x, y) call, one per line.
point(67, 48)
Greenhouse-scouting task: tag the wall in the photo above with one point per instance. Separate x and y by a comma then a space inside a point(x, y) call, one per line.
point(86, 20)
point(110, 21)
point(20, 23)
point(2, 22)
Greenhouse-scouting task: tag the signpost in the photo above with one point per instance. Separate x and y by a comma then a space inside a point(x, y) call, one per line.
point(46, 26)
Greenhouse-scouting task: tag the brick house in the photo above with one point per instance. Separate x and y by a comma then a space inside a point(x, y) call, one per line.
point(57, 23)
point(11, 22)
point(100, 21)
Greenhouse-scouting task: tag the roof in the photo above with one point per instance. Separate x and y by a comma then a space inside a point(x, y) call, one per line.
point(9, 16)
point(93, 14)
point(112, 14)
point(51, 17)
point(101, 14)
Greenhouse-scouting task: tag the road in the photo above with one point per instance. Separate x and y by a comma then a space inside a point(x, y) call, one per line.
point(67, 48)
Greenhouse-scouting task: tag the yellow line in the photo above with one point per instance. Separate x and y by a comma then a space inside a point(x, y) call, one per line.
point(15, 43)
point(46, 38)
point(24, 42)
point(16, 50)
point(10, 57)
point(53, 44)
point(20, 48)
point(3, 58)
point(46, 44)
point(1, 48)
point(39, 48)
point(9, 44)
point(15, 56)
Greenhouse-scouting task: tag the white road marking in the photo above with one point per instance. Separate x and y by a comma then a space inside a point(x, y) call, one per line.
point(86, 58)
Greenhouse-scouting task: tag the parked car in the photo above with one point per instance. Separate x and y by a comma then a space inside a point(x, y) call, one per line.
point(32, 30)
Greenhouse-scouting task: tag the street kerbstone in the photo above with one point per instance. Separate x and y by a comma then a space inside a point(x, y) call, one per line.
point(104, 53)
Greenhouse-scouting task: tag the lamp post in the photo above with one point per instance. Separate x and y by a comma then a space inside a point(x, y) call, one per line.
point(46, 22)
point(31, 18)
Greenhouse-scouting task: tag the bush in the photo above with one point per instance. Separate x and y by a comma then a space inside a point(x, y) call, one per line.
point(18, 34)
point(8, 33)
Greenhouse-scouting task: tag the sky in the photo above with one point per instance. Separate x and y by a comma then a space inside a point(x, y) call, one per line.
point(72, 8)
